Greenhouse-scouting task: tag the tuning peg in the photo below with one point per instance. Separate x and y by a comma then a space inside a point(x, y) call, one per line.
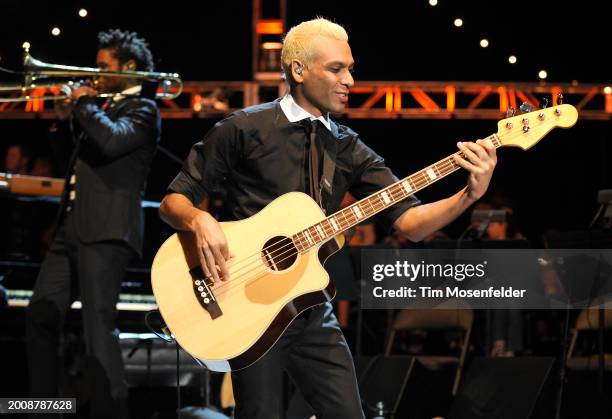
point(526, 107)
point(510, 112)
point(559, 98)
point(545, 101)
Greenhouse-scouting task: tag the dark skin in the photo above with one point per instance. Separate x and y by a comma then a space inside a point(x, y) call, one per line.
point(105, 61)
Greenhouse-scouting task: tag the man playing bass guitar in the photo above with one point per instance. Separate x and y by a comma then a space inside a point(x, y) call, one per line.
point(259, 153)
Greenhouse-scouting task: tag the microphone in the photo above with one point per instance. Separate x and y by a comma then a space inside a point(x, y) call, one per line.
point(482, 228)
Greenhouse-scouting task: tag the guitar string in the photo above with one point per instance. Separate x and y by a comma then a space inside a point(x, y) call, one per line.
point(419, 177)
point(445, 162)
point(496, 142)
point(419, 180)
point(396, 187)
point(289, 246)
point(419, 184)
point(226, 286)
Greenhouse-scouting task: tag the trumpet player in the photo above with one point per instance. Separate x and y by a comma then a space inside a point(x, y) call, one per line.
point(100, 225)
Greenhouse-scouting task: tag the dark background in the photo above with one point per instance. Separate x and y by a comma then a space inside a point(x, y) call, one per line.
point(391, 40)
point(553, 186)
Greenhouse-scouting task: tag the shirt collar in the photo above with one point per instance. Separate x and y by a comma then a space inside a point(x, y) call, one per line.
point(130, 91)
point(295, 112)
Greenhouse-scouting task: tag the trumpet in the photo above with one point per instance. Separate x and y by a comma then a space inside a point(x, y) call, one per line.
point(44, 81)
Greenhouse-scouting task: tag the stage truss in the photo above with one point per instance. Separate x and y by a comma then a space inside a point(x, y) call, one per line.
point(372, 99)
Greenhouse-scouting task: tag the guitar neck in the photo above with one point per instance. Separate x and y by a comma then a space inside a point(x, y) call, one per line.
point(361, 210)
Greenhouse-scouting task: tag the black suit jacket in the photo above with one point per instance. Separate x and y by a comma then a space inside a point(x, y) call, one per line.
point(111, 161)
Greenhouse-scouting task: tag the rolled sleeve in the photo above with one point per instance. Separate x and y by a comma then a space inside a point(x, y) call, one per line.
point(186, 185)
point(209, 163)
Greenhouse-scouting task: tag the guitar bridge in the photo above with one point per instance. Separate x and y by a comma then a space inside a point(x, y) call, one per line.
point(202, 288)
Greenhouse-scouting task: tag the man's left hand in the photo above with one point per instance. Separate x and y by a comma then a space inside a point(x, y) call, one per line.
point(480, 160)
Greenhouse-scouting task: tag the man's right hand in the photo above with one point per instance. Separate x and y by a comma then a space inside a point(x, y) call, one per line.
point(213, 251)
point(63, 108)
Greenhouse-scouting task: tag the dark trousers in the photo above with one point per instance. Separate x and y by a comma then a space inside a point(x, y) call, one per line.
point(94, 272)
point(316, 357)
point(507, 325)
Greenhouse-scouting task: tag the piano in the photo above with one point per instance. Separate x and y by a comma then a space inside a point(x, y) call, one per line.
point(31, 185)
point(127, 302)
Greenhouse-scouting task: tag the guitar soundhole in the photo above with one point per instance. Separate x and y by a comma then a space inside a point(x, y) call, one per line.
point(279, 253)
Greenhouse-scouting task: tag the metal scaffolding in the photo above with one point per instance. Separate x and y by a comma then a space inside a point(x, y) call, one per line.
point(373, 99)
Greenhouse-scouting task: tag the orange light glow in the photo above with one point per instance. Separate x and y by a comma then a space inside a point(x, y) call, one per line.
point(503, 99)
point(555, 91)
point(270, 27)
point(389, 100)
point(196, 102)
point(450, 98)
point(397, 100)
point(424, 100)
point(36, 105)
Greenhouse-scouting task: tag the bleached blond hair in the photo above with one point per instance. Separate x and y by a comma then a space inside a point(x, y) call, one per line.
point(299, 41)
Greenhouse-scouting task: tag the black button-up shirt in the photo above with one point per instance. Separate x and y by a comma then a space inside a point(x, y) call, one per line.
point(255, 155)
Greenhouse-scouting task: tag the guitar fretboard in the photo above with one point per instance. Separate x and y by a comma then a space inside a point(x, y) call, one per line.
point(377, 202)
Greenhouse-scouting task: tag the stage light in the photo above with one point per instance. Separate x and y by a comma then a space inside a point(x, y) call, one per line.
point(512, 59)
point(458, 22)
point(55, 31)
point(607, 90)
point(26, 45)
point(272, 45)
point(542, 74)
point(484, 43)
point(433, 2)
point(83, 12)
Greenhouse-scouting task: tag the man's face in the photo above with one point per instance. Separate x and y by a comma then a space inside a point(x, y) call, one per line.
point(106, 61)
point(15, 160)
point(328, 78)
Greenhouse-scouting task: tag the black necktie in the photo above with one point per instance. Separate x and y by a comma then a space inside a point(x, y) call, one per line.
point(313, 159)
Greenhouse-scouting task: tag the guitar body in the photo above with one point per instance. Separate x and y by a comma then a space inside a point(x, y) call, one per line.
point(263, 294)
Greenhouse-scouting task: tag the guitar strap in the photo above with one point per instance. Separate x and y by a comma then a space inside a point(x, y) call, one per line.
point(329, 168)
point(313, 163)
point(325, 183)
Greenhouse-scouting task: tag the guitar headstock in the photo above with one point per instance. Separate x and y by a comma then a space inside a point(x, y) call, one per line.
point(526, 130)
